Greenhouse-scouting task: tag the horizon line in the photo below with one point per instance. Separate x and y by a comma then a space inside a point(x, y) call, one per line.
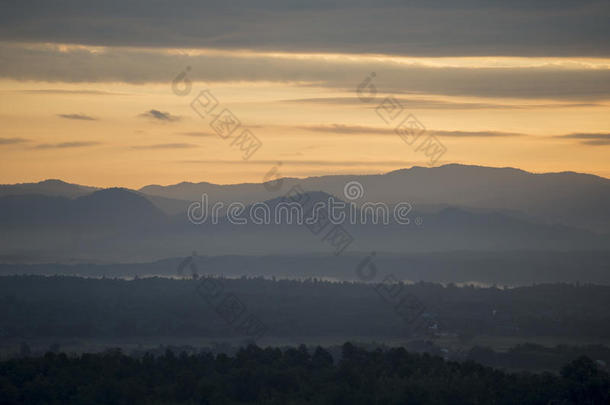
point(307, 177)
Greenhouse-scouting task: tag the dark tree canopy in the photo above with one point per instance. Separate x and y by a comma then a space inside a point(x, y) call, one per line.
point(291, 376)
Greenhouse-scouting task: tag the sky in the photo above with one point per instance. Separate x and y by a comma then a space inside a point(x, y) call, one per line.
point(110, 93)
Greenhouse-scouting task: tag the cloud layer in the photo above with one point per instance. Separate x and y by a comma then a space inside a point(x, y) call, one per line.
point(81, 117)
point(12, 141)
point(160, 116)
point(590, 139)
point(425, 104)
point(166, 146)
point(558, 80)
point(65, 145)
point(416, 27)
point(342, 129)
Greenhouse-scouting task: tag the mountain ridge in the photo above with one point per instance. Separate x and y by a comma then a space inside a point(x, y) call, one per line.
point(579, 200)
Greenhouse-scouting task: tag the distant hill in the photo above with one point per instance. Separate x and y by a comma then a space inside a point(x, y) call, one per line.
point(454, 208)
point(52, 187)
point(114, 206)
point(58, 188)
point(578, 200)
point(568, 198)
point(117, 225)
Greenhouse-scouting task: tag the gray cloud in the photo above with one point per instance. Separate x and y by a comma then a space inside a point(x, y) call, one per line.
point(12, 141)
point(416, 27)
point(160, 116)
point(392, 163)
point(476, 134)
point(348, 129)
point(362, 130)
point(69, 92)
point(578, 82)
point(597, 142)
point(589, 139)
point(425, 104)
point(65, 145)
point(198, 134)
point(82, 117)
point(166, 146)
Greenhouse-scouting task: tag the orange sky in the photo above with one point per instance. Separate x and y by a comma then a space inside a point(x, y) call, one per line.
point(98, 130)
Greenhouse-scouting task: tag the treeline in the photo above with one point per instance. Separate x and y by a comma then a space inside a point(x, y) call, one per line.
point(292, 376)
point(505, 268)
point(37, 306)
point(529, 356)
point(521, 357)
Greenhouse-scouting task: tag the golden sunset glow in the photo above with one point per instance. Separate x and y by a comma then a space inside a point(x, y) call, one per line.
point(66, 121)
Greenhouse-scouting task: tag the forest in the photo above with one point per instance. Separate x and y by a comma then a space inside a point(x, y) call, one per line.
point(290, 376)
point(255, 308)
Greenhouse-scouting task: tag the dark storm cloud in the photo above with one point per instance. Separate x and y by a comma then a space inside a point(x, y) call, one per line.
point(416, 27)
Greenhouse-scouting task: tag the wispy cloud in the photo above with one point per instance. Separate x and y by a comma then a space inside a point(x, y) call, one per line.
point(329, 163)
point(476, 134)
point(589, 139)
point(82, 117)
point(429, 104)
point(12, 141)
point(166, 146)
point(65, 145)
point(70, 92)
point(198, 134)
point(582, 81)
point(342, 129)
point(348, 129)
point(160, 116)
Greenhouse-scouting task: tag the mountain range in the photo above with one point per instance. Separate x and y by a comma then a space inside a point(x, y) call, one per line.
point(454, 208)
